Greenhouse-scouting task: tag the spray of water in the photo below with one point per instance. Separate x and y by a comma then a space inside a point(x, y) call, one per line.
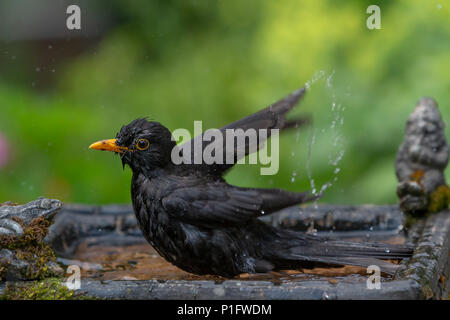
point(333, 133)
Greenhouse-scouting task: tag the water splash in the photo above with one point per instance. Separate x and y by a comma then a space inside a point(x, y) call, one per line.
point(308, 163)
point(333, 133)
point(294, 175)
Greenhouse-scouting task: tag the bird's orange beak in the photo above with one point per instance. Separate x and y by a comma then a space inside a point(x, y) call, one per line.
point(108, 145)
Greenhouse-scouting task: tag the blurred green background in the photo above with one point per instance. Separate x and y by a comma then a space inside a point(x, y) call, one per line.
point(216, 61)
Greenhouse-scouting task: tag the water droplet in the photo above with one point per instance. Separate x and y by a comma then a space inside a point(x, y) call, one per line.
point(324, 187)
point(334, 136)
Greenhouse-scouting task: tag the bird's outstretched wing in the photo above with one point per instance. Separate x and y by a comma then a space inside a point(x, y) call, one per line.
point(272, 117)
point(208, 205)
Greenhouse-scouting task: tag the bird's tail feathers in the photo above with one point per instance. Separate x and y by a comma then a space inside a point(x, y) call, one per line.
point(351, 253)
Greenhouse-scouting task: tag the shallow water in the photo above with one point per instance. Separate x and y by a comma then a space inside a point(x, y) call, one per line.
point(142, 262)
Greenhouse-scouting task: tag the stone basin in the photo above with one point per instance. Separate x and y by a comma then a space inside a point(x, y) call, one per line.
point(117, 263)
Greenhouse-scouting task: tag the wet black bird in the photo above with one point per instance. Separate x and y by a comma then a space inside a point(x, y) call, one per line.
point(203, 225)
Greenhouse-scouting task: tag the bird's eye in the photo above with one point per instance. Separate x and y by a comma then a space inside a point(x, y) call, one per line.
point(142, 144)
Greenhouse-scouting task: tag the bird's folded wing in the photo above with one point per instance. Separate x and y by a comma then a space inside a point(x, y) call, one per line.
point(211, 205)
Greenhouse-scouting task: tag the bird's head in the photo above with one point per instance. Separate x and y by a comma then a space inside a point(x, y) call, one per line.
point(143, 145)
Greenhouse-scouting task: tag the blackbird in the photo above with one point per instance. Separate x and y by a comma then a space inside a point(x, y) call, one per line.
point(203, 225)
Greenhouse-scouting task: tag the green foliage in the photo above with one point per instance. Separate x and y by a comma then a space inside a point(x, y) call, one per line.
point(217, 61)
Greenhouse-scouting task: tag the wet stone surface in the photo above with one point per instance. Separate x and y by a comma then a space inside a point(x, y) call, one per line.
point(107, 245)
point(116, 262)
point(141, 262)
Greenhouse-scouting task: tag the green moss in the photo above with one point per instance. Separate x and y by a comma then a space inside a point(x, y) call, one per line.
point(38, 257)
point(30, 247)
point(33, 234)
point(427, 292)
point(48, 289)
point(410, 221)
point(439, 199)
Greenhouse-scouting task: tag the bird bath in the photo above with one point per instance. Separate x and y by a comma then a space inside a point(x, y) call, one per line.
point(116, 261)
